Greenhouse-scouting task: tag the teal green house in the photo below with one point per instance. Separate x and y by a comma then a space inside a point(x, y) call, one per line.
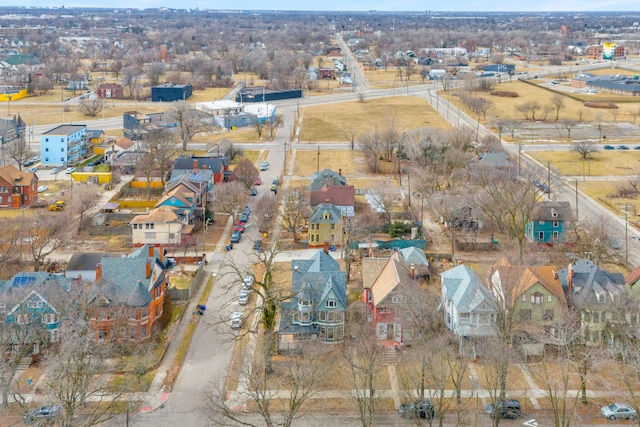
point(549, 222)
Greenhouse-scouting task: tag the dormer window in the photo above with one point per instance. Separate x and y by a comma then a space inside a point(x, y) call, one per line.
point(331, 303)
point(554, 213)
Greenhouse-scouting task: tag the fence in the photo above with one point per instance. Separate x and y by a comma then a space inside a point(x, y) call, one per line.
point(185, 294)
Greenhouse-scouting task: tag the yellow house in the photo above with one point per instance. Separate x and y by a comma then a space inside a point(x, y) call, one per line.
point(325, 226)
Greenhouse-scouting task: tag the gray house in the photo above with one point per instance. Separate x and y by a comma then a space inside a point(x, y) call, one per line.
point(317, 309)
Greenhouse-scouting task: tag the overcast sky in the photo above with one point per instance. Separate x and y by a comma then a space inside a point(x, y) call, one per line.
point(355, 5)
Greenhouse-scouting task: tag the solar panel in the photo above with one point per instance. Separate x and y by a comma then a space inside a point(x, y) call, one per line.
point(19, 281)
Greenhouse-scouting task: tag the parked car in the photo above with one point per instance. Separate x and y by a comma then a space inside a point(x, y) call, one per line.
point(244, 217)
point(254, 192)
point(240, 227)
point(505, 409)
point(609, 147)
point(248, 281)
point(619, 411)
point(48, 412)
point(246, 210)
point(243, 297)
point(43, 188)
point(263, 166)
point(258, 181)
point(236, 320)
point(70, 170)
point(257, 245)
point(637, 147)
point(32, 169)
point(236, 236)
point(55, 170)
point(417, 409)
point(622, 147)
point(28, 163)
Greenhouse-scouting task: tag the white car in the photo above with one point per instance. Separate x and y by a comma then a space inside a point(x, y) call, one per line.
point(248, 281)
point(243, 297)
point(236, 320)
point(43, 188)
point(70, 170)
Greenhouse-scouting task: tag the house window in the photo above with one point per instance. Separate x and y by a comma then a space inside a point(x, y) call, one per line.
point(149, 236)
point(525, 315)
point(312, 236)
point(381, 330)
point(157, 311)
point(62, 149)
point(541, 235)
point(333, 226)
point(24, 319)
point(384, 310)
point(549, 298)
point(303, 316)
point(537, 298)
point(48, 318)
point(46, 150)
point(143, 332)
point(555, 224)
point(54, 336)
point(547, 315)
point(133, 314)
point(331, 303)
point(555, 235)
point(331, 316)
point(103, 334)
point(322, 316)
point(132, 334)
point(144, 312)
point(524, 298)
point(34, 304)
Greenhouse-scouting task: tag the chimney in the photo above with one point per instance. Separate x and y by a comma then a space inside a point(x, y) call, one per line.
point(195, 166)
point(98, 273)
point(412, 270)
point(326, 247)
point(340, 171)
point(570, 278)
point(152, 251)
point(555, 274)
point(148, 272)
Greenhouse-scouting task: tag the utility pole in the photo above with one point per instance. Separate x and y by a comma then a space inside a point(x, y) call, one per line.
point(576, 199)
point(318, 166)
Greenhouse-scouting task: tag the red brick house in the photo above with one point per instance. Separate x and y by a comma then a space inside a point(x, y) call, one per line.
point(110, 91)
point(387, 299)
point(130, 294)
point(343, 197)
point(17, 188)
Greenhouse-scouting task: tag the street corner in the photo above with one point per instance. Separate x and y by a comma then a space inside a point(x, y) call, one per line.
point(156, 402)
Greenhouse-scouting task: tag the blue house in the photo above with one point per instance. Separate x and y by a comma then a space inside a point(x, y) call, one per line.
point(319, 303)
point(549, 222)
point(27, 302)
point(64, 145)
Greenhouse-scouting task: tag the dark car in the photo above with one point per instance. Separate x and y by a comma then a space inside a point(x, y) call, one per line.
point(622, 147)
point(244, 217)
point(44, 413)
point(257, 245)
point(505, 409)
point(254, 192)
point(28, 163)
point(417, 409)
point(236, 236)
point(609, 147)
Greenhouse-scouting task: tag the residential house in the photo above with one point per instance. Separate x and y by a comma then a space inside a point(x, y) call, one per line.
point(17, 188)
point(341, 196)
point(64, 145)
point(633, 280)
point(495, 163)
point(27, 302)
point(95, 137)
point(82, 265)
point(416, 257)
point(325, 226)
point(136, 125)
point(549, 222)
point(160, 226)
point(11, 129)
point(536, 298)
point(181, 200)
point(110, 91)
point(387, 300)
point(204, 172)
point(469, 306)
point(327, 177)
point(319, 303)
point(605, 304)
point(129, 294)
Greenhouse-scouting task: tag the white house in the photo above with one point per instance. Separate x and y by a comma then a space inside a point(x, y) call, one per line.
point(158, 227)
point(469, 306)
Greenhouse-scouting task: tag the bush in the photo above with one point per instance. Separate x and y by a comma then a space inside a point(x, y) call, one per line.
point(397, 229)
point(505, 94)
point(605, 105)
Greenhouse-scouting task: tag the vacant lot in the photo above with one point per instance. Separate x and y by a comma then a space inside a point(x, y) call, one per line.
point(604, 163)
point(335, 122)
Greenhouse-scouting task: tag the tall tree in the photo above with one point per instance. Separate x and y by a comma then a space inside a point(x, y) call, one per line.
point(293, 202)
point(245, 173)
point(190, 121)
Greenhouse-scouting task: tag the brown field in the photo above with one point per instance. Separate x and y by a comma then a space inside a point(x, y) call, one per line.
point(604, 193)
point(306, 162)
point(603, 163)
point(333, 122)
point(385, 79)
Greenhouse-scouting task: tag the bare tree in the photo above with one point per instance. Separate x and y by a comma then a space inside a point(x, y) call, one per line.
point(635, 112)
point(364, 359)
point(557, 102)
point(509, 204)
point(18, 150)
point(44, 237)
point(154, 72)
point(512, 125)
point(273, 124)
point(265, 211)
point(350, 133)
point(358, 228)
point(592, 239)
point(131, 76)
point(385, 199)
point(91, 107)
point(245, 173)
point(83, 198)
point(372, 147)
point(529, 110)
point(583, 147)
point(259, 126)
point(229, 196)
point(293, 202)
point(568, 125)
point(190, 121)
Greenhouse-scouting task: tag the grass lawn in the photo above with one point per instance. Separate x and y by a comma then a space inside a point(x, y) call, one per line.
point(384, 79)
point(334, 122)
point(351, 162)
point(603, 191)
point(603, 163)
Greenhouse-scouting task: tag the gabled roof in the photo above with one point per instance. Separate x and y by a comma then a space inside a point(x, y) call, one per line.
point(465, 289)
point(337, 195)
point(633, 277)
point(413, 255)
point(334, 214)
point(495, 160)
point(552, 211)
point(185, 164)
point(181, 194)
point(371, 268)
point(89, 260)
point(156, 216)
point(11, 175)
point(315, 277)
point(328, 177)
point(124, 143)
point(394, 274)
point(24, 283)
point(590, 284)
